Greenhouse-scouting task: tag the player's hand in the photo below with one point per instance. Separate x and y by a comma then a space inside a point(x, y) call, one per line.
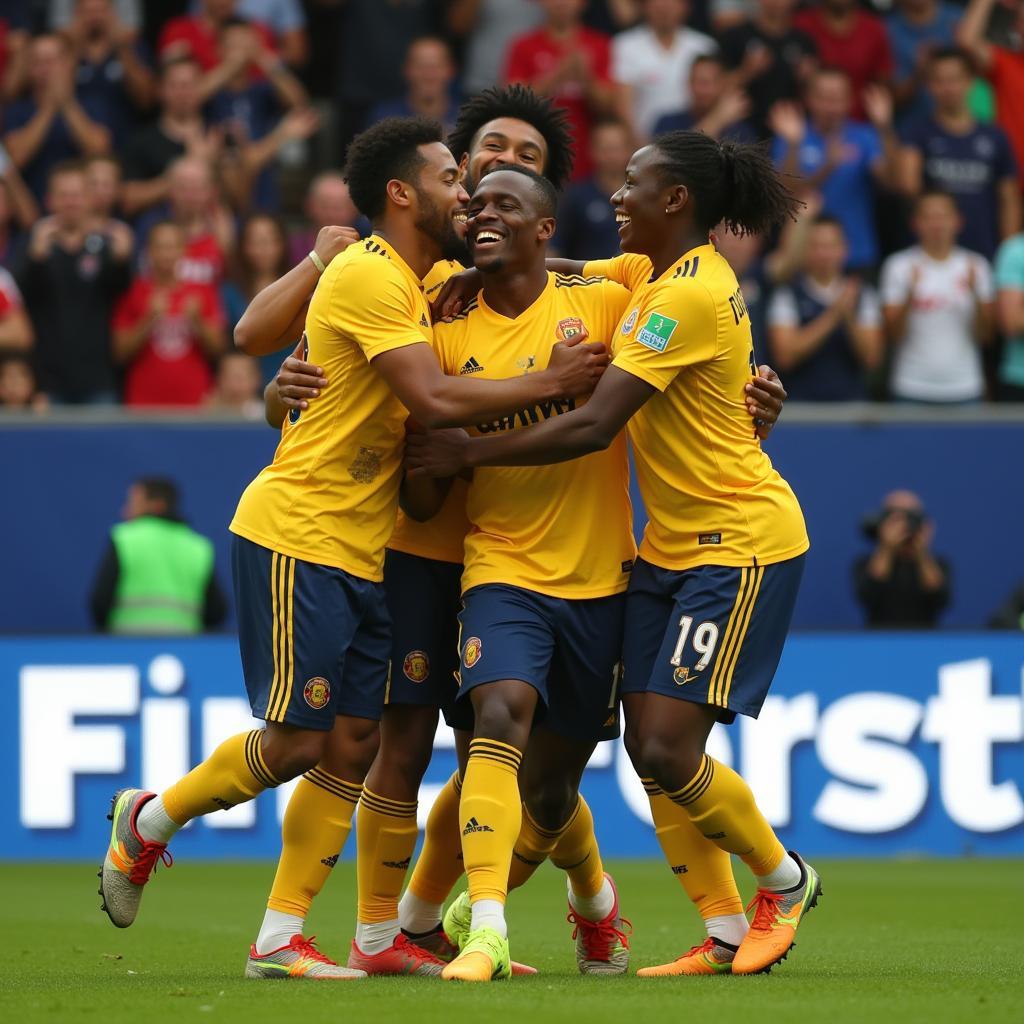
point(437, 453)
point(454, 294)
point(297, 382)
point(765, 397)
point(333, 239)
point(577, 365)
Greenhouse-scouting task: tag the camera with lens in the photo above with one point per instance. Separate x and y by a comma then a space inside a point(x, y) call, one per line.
point(870, 524)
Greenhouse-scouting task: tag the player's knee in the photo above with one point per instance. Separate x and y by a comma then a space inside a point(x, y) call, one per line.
point(352, 747)
point(291, 752)
point(632, 740)
point(668, 760)
point(504, 713)
point(551, 802)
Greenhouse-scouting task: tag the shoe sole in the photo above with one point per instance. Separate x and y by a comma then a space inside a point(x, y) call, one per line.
point(810, 906)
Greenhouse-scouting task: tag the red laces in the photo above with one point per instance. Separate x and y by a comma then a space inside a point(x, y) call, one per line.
point(145, 863)
point(765, 907)
point(598, 936)
point(407, 946)
point(307, 948)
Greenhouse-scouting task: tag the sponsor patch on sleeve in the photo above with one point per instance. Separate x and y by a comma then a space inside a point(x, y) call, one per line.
point(657, 331)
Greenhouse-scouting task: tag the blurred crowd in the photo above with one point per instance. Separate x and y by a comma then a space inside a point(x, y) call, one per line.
point(162, 161)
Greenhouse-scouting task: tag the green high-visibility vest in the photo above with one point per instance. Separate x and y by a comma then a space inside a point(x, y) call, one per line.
point(165, 569)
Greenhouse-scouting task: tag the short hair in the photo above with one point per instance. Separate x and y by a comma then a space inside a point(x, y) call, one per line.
point(830, 69)
point(708, 58)
point(543, 190)
point(388, 150)
point(952, 53)
point(522, 103)
point(934, 193)
point(63, 167)
point(826, 220)
point(161, 488)
point(184, 60)
point(164, 222)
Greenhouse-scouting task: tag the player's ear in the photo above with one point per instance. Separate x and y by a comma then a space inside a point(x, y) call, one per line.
point(463, 167)
point(545, 229)
point(398, 192)
point(678, 196)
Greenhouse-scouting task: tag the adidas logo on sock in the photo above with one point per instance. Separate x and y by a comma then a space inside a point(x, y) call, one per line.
point(679, 869)
point(330, 861)
point(401, 865)
point(474, 826)
point(470, 366)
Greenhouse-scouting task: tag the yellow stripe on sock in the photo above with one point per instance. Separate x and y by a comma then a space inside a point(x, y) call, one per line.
point(387, 807)
point(332, 784)
point(738, 646)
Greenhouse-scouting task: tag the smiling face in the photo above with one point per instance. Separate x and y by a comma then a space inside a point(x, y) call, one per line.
point(640, 205)
point(508, 223)
point(439, 198)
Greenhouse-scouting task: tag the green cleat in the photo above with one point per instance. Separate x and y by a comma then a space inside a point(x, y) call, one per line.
point(458, 920)
point(484, 957)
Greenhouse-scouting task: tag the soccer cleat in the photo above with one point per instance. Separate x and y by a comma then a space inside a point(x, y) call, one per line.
point(458, 919)
point(401, 957)
point(710, 957)
point(436, 942)
point(299, 959)
point(484, 957)
point(602, 947)
point(130, 859)
point(774, 918)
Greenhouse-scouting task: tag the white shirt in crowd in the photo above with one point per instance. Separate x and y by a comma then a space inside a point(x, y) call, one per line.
point(782, 308)
point(498, 23)
point(938, 359)
point(659, 78)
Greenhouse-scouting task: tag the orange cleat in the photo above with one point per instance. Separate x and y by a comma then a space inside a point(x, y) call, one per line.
point(710, 957)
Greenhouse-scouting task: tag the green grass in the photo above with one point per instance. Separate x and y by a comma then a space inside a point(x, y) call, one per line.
point(906, 942)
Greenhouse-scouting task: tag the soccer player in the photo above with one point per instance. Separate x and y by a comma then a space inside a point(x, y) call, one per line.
point(712, 593)
point(310, 529)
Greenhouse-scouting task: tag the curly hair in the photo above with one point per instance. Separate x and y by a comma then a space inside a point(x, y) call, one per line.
point(522, 103)
point(390, 149)
point(732, 182)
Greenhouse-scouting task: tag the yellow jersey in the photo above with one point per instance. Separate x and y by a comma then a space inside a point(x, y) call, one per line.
point(562, 530)
point(711, 493)
point(443, 537)
point(331, 493)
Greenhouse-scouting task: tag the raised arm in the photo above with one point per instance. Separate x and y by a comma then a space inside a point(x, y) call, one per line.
point(971, 32)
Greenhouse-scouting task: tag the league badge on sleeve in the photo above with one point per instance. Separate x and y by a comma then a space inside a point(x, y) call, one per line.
point(657, 332)
point(630, 322)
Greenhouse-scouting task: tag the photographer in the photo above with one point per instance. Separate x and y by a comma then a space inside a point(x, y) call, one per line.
point(901, 584)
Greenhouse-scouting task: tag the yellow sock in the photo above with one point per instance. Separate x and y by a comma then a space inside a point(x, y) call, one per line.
point(317, 822)
point(386, 835)
point(439, 865)
point(533, 846)
point(722, 807)
point(577, 853)
point(234, 773)
point(491, 813)
point(704, 869)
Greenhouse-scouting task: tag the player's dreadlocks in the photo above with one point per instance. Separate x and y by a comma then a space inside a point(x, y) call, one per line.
point(385, 151)
point(523, 104)
point(732, 182)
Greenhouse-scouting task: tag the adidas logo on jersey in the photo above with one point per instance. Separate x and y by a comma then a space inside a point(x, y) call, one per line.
point(470, 366)
point(423, 320)
point(474, 826)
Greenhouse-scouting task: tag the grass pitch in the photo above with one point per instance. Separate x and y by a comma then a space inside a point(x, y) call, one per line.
point(906, 942)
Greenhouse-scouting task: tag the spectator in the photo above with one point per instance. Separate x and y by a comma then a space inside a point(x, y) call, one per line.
point(771, 59)
point(14, 44)
point(18, 210)
point(168, 330)
point(973, 162)
point(850, 38)
point(194, 205)
point(18, 385)
point(157, 575)
point(71, 276)
point(327, 202)
point(939, 307)
point(1010, 310)
point(103, 180)
point(841, 158)
point(15, 327)
point(652, 62)
point(586, 220)
point(901, 584)
point(179, 128)
point(570, 63)
point(60, 13)
point(716, 107)
point(50, 125)
point(285, 18)
point(239, 387)
point(745, 254)
point(1004, 68)
point(113, 80)
point(429, 72)
point(727, 14)
point(825, 329)
point(1011, 614)
point(917, 30)
point(197, 36)
point(489, 27)
point(262, 259)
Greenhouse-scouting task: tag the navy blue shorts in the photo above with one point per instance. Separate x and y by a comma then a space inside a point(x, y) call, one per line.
point(568, 651)
point(315, 641)
point(424, 596)
point(711, 635)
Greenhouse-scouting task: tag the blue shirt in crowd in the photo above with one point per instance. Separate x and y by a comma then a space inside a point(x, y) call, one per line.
point(685, 121)
point(586, 223)
point(969, 167)
point(907, 41)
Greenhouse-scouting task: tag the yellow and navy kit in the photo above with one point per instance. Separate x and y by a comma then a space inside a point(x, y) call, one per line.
point(562, 530)
point(330, 495)
point(711, 493)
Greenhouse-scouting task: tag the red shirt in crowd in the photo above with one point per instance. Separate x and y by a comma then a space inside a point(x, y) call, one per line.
point(536, 54)
point(170, 368)
point(204, 261)
point(203, 46)
point(10, 296)
point(863, 52)
point(1007, 75)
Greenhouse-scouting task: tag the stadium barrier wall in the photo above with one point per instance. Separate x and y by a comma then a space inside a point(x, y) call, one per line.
point(66, 479)
point(870, 745)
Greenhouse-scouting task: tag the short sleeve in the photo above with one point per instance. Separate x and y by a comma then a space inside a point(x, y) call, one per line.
point(1010, 265)
point(895, 281)
point(677, 327)
point(630, 269)
point(782, 309)
point(373, 304)
point(445, 342)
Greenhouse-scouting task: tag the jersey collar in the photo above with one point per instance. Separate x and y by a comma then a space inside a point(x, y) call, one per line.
point(538, 303)
point(392, 255)
point(688, 262)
